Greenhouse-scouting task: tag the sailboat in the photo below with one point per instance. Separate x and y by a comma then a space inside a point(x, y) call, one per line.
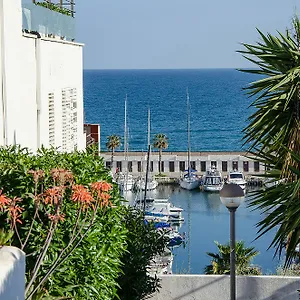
point(124, 179)
point(189, 180)
point(147, 182)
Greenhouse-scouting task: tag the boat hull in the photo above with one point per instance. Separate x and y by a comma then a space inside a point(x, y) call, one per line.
point(189, 185)
point(210, 188)
point(151, 185)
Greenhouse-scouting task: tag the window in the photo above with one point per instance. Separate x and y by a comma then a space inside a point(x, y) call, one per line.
point(213, 163)
point(256, 166)
point(108, 164)
point(119, 166)
point(69, 119)
point(139, 166)
point(182, 166)
point(130, 166)
point(193, 165)
point(162, 166)
point(171, 166)
point(151, 166)
point(235, 165)
point(203, 166)
point(246, 166)
point(224, 166)
point(51, 119)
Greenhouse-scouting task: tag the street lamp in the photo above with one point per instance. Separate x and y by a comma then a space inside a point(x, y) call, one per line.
point(232, 196)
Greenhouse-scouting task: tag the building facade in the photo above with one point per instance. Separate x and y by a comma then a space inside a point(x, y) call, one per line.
point(41, 85)
point(174, 163)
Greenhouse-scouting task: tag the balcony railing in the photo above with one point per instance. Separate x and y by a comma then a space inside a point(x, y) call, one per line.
point(39, 18)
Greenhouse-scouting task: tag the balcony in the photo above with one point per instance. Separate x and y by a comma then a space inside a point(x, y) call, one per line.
point(49, 19)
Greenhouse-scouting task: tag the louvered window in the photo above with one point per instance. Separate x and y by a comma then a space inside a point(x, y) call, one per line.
point(51, 119)
point(69, 119)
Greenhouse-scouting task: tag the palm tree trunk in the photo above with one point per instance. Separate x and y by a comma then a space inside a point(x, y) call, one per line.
point(112, 158)
point(159, 164)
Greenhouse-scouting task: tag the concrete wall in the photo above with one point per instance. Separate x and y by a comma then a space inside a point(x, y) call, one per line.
point(34, 71)
point(12, 273)
point(215, 287)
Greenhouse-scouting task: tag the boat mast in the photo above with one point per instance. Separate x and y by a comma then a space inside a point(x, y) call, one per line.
point(148, 161)
point(125, 140)
point(188, 129)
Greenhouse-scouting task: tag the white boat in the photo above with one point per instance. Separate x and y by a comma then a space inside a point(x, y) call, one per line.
point(125, 180)
point(165, 209)
point(189, 180)
point(140, 184)
point(236, 177)
point(212, 180)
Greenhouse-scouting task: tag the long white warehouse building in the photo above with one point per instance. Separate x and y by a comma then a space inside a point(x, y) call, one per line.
point(41, 88)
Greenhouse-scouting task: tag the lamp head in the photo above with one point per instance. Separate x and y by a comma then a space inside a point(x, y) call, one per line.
point(232, 195)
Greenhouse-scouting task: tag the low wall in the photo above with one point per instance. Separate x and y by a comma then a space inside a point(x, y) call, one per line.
point(214, 287)
point(12, 273)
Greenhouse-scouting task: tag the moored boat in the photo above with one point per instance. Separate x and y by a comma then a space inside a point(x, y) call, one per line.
point(212, 180)
point(237, 177)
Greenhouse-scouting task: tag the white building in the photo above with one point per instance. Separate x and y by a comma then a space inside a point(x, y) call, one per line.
point(41, 88)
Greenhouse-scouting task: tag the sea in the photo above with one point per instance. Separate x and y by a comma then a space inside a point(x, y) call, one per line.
point(219, 111)
point(219, 106)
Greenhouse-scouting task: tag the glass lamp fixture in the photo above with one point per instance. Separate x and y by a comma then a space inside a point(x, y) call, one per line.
point(232, 195)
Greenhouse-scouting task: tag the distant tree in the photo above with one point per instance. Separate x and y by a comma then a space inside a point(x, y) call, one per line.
point(160, 142)
point(220, 263)
point(274, 133)
point(113, 142)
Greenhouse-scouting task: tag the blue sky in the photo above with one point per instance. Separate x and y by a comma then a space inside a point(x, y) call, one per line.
point(172, 34)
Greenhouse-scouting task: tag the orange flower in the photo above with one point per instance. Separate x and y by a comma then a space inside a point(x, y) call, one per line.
point(14, 210)
point(52, 195)
point(37, 174)
point(81, 194)
point(105, 197)
point(3, 201)
point(101, 186)
point(62, 176)
point(56, 218)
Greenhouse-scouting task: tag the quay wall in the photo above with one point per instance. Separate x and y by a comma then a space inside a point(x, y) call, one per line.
point(212, 287)
point(173, 163)
point(12, 273)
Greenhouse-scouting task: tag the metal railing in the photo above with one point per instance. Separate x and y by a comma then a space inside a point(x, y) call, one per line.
point(63, 6)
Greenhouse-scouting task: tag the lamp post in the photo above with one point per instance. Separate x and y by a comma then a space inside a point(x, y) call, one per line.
point(232, 196)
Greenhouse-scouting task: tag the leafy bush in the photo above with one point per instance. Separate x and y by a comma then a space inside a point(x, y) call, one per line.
point(220, 263)
point(55, 7)
point(72, 232)
point(144, 242)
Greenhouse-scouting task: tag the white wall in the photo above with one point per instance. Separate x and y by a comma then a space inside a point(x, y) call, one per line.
point(214, 287)
point(35, 67)
point(12, 273)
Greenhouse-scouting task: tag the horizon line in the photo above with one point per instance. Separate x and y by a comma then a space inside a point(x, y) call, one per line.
point(167, 69)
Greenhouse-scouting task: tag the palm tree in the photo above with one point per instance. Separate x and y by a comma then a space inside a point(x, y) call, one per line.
point(220, 263)
point(160, 141)
point(274, 132)
point(113, 142)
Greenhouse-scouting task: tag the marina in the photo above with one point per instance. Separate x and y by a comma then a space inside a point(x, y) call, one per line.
point(206, 220)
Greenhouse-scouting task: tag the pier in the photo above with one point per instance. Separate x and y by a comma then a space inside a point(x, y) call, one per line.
point(174, 163)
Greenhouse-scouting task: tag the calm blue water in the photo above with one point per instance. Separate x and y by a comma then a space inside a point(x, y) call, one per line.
point(206, 221)
point(219, 107)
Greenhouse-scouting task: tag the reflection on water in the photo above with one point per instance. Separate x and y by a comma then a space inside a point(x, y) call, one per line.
point(206, 221)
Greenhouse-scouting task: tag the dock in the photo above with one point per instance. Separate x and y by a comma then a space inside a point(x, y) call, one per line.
point(174, 163)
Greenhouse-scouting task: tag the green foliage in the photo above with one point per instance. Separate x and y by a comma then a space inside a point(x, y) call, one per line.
point(220, 263)
point(91, 269)
point(143, 244)
point(55, 7)
point(5, 237)
point(113, 142)
point(292, 270)
point(160, 141)
point(274, 133)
